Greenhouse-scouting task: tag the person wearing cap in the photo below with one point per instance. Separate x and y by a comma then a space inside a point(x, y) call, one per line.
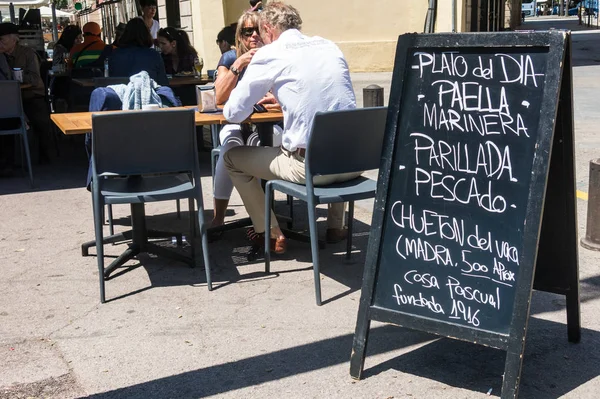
point(148, 12)
point(34, 103)
point(89, 51)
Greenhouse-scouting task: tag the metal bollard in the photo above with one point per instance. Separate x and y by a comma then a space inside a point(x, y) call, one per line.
point(373, 96)
point(592, 231)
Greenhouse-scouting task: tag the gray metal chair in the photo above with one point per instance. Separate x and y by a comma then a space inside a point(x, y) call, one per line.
point(11, 107)
point(105, 82)
point(340, 142)
point(140, 157)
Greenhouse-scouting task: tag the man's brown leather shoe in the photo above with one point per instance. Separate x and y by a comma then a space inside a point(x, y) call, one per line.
point(336, 235)
point(277, 245)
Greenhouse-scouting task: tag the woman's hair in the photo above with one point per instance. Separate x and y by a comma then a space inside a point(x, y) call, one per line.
point(227, 34)
point(119, 33)
point(251, 16)
point(145, 3)
point(281, 16)
point(136, 34)
point(184, 48)
point(69, 34)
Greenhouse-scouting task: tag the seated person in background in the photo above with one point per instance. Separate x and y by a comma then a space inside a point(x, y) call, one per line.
point(135, 55)
point(230, 73)
point(60, 85)
point(87, 52)
point(226, 43)
point(34, 103)
point(226, 40)
point(287, 66)
point(70, 37)
point(109, 48)
point(178, 55)
point(149, 8)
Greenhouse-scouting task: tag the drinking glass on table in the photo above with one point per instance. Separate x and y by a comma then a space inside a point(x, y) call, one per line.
point(198, 64)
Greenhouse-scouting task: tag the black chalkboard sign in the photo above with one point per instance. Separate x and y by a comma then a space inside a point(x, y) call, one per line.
point(479, 134)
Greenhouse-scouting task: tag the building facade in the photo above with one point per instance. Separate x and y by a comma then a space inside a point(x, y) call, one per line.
point(366, 32)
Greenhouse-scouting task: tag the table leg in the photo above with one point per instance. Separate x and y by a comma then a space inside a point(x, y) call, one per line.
point(265, 133)
point(138, 226)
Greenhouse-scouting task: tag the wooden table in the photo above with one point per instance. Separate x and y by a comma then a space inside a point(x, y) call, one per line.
point(81, 122)
point(175, 81)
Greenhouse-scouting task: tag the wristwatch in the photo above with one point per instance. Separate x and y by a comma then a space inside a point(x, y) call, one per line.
point(235, 71)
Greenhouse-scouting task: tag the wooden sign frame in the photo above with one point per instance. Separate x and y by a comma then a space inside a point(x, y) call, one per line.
point(549, 245)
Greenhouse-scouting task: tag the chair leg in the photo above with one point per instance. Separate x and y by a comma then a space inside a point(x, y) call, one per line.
point(204, 238)
point(99, 247)
point(192, 205)
point(290, 201)
point(178, 205)
point(314, 247)
point(192, 240)
point(213, 165)
point(111, 227)
point(27, 156)
point(350, 225)
point(268, 200)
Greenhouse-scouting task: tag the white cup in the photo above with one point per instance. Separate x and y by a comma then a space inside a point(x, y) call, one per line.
point(18, 74)
point(148, 107)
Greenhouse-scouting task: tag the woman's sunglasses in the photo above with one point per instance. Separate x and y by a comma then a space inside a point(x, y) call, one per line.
point(249, 31)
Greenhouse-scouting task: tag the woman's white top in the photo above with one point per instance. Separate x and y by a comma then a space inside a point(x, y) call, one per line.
point(154, 29)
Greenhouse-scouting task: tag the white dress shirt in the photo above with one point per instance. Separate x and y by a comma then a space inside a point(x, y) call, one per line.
point(305, 74)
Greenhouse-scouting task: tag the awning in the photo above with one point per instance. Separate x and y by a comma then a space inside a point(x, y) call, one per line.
point(46, 12)
point(18, 3)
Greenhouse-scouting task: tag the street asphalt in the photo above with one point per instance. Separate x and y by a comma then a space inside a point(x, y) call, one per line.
point(162, 334)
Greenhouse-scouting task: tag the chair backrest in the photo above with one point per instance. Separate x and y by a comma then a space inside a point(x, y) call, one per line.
point(11, 105)
point(346, 141)
point(140, 142)
point(103, 82)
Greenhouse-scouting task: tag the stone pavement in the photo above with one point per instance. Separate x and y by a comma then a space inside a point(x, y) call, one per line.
point(163, 335)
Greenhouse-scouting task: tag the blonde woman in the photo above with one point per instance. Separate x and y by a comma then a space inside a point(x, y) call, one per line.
point(229, 72)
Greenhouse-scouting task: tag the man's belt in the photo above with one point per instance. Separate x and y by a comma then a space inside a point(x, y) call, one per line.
point(301, 152)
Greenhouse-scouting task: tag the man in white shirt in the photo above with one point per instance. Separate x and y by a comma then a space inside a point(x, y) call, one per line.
point(305, 75)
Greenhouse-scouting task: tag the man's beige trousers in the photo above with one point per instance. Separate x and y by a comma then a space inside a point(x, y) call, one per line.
point(247, 165)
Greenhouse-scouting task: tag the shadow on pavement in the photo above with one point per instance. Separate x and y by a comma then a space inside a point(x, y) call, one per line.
point(552, 367)
point(261, 369)
point(229, 255)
